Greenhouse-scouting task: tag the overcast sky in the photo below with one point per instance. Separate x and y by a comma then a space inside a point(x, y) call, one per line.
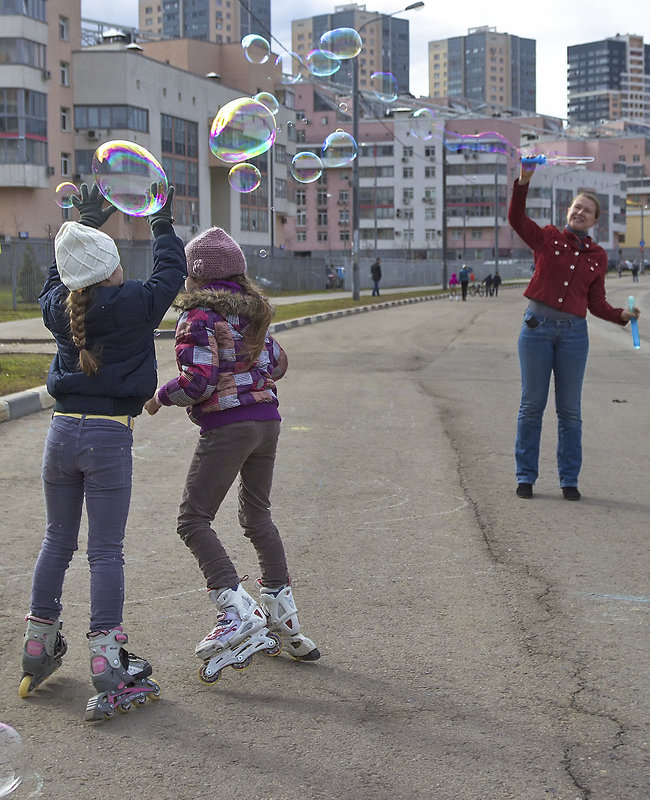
point(553, 24)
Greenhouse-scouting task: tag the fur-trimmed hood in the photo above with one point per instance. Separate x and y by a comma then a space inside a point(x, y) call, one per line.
point(223, 302)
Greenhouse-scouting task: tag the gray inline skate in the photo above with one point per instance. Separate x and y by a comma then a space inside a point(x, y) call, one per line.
point(282, 619)
point(240, 632)
point(121, 678)
point(44, 647)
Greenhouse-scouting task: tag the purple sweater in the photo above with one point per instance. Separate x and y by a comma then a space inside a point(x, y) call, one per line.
point(215, 383)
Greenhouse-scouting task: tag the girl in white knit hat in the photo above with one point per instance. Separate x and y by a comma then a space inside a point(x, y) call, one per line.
point(228, 364)
point(101, 375)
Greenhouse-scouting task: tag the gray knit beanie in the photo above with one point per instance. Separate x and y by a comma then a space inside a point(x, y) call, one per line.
point(214, 256)
point(84, 256)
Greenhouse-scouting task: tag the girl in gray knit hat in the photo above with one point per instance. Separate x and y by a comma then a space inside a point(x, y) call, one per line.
point(100, 377)
point(228, 364)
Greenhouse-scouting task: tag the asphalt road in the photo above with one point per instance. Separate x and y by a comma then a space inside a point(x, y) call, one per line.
point(475, 646)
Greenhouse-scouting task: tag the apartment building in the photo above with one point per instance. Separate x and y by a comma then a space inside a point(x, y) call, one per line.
point(609, 80)
point(385, 43)
point(485, 67)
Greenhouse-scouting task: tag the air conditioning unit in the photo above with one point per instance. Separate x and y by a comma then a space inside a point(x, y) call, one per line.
point(94, 135)
point(50, 170)
point(398, 233)
point(46, 74)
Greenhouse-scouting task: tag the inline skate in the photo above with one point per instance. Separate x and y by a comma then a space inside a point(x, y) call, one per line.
point(240, 632)
point(282, 619)
point(44, 647)
point(121, 678)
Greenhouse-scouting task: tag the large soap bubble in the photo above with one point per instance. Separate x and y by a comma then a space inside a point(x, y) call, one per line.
point(11, 759)
point(243, 128)
point(306, 167)
point(384, 85)
point(322, 63)
point(256, 48)
point(339, 149)
point(124, 172)
point(64, 193)
point(244, 178)
point(343, 42)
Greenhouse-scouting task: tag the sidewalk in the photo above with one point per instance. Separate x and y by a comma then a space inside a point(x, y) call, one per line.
point(31, 335)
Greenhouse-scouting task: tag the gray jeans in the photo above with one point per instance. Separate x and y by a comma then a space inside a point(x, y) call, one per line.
point(246, 449)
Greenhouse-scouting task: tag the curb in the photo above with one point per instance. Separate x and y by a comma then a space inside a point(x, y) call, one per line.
point(20, 404)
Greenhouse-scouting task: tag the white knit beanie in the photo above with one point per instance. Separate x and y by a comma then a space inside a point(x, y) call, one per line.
point(84, 256)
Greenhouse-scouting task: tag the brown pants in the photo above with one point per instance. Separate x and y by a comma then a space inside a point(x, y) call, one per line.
point(246, 449)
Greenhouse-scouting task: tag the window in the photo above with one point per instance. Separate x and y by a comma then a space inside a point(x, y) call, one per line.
point(301, 197)
point(407, 194)
point(64, 29)
point(301, 236)
point(344, 196)
point(344, 217)
point(429, 172)
point(179, 147)
point(65, 119)
point(301, 219)
point(23, 127)
point(64, 73)
point(321, 236)
point(65, 164)
point(407, 172)
point(29, 8)
point(321, 197)
point(22, 51)
point(344, 236)
point(407, 152)
point(93, 117)
point(321, 218)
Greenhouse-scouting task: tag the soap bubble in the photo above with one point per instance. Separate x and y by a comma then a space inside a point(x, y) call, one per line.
point(384, 85)
point(343, 106)
point(306, 167)
point(262, 254)
point(11, 758)
point(156, 331)
point(484, 142)
point(124, 172)
point(63, 194)
point(256, 48)
point(244, 178)
point(243, 128)
point(269, 100)
point(423, 123)
point(343, 42)
point(291, 66)
point(322, 63)
point(339, 149)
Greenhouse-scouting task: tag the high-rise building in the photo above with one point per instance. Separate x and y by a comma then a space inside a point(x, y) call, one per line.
point(385, 42)
point(609, 80)
point(485, 67)
point(221, 21)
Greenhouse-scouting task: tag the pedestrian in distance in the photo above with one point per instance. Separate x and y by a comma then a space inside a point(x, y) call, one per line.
point(496, 282)
point(569, 279)
point(489, 282)
point(375, 274)
point(635, 272)
point(464, 277)
point(103, 372)
point(228, 364)
point(453, 286)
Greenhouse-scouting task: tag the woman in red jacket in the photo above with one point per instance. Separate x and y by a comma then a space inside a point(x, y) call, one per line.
point(569, 278)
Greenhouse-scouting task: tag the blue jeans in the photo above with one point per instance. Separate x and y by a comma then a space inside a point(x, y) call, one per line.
point(559, 347)
point(375, 288)
point(85, 459)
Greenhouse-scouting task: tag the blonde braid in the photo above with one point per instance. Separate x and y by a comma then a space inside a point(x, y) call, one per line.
point(77, 304)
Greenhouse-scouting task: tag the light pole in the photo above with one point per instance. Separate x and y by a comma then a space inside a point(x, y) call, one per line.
point(355, 163)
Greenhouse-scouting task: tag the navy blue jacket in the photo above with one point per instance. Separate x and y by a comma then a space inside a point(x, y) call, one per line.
point(121, 320)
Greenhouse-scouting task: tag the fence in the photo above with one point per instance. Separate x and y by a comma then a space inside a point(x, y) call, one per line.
point(24, 265)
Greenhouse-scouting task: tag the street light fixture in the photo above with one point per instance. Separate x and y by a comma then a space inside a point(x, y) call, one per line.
point(355, 163)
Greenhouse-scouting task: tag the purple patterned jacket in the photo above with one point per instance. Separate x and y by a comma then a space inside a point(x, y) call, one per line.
point(215, 383)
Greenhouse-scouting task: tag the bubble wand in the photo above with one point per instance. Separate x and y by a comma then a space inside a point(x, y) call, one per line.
point(634, 325)
point(560, 161)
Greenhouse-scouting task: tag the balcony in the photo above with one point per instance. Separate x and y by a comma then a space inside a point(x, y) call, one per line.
point(24, 176)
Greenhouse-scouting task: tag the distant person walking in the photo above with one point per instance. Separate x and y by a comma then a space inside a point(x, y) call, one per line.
point(463, 277)
point(496, 282)
point(489, 282)
point(375, 274)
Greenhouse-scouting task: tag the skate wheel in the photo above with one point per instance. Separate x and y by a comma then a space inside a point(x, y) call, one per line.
point(140, 701)
point(155, 693)
point(25, 686)
point(124, 708)
point(277, 647)
point(245, 664)
point(208, 679)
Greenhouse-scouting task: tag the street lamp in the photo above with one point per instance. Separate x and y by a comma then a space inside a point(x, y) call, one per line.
point(355, 163)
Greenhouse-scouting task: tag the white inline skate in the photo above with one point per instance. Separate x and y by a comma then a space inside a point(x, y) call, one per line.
point(240, 632)
point(44, 647)
point(282, 619)
point(121, 678)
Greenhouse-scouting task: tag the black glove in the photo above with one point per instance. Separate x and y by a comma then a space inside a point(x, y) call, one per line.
point(89, 206)
point(161, 221)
